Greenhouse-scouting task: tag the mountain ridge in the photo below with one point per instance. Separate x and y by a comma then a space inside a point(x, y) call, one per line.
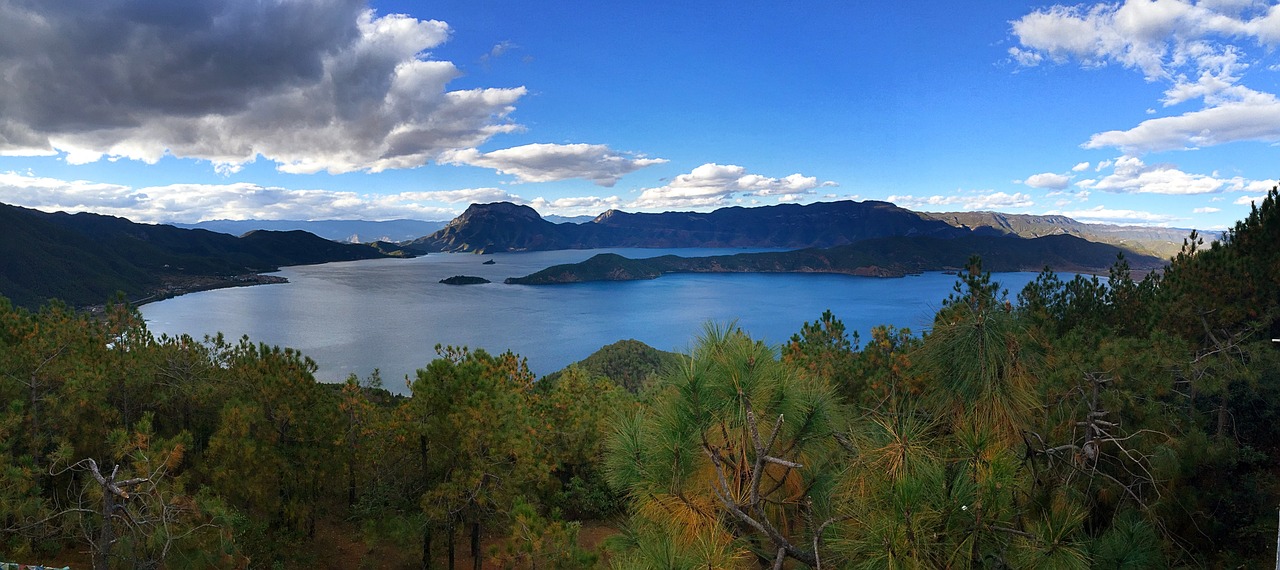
point(1147, 240)
point(507, 227)
point(502, 226)
point(896, 256)
point(84, 259)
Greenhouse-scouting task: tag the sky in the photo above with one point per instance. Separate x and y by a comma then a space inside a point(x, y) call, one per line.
point(1163, 113)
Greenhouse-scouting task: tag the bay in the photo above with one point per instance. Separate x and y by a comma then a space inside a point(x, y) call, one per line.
point(389, 314)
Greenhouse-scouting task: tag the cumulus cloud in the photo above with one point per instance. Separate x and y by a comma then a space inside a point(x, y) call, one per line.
point(1049, 180)
point(715, 184)
point(964, 201)
point(1081, 167)
point(1241, 185)
point(313, 86)
point(1130, 175)
point(1249, 200)
point(552, 162)
point(465, 196)
point(1104, 215)
point(1197, 49)
point(1206, 210)
point(190, 203)
point(576, 205)
point(1257, 119)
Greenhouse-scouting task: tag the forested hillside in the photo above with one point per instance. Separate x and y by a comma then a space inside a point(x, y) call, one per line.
point(880, 257)
point(1082, 423)
point(83, 259)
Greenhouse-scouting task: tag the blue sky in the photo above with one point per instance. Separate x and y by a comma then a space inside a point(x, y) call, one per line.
point(1152, 113)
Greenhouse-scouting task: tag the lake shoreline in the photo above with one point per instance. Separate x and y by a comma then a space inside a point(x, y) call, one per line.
point(177, 286)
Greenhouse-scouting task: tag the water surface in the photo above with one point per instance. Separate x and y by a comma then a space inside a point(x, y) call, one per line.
point(355, 316)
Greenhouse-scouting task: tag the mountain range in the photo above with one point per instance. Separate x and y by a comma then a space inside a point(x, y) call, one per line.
point(84, 259)
point(1148, 240)
point(502, 226)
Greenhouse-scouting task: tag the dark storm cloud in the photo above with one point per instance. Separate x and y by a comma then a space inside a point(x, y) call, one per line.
point(311, 84)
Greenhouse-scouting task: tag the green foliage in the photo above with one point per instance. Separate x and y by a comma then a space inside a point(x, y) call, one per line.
point(479, 448)
point(824, 349)
point(572, 417)
point(696, 462)
point(980, 359)
point(538, 542)
point(629, 363)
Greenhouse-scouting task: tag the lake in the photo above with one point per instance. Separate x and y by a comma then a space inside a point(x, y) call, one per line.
point(389, 314)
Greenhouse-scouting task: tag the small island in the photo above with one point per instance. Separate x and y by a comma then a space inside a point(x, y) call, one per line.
point(465, 280)
point(489, 262)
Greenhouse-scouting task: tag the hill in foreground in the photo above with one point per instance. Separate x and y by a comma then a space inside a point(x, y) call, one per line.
point(629, 363)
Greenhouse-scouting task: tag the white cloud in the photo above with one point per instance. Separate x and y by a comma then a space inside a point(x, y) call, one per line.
point(551, 162)
point(1206, 210)
point(1104, 215)
point(576, 206)
point(1132, 176)
point(965, 201)
point(1241, 185)
point(189, 203)
point(1249, 200)
point(1081, 167)
point(1255, 120)
point(464, 196)
point(313, 86)
point(714, 184)
point(1049, 180)
point(1198, 49)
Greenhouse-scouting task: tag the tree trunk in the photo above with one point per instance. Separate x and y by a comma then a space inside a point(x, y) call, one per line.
point(451, 546)
point(1222, 415)
point(351, 482)
point(33, 421)
point(426, 548)
point(106, 534)
point(475, 545)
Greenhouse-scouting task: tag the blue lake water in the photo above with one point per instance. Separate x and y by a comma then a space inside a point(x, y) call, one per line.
point(390, 313)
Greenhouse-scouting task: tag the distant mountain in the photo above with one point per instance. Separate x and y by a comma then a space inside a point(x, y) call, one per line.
point(1157, 241)
point(348, 231)
point(880, 257)
point(84, 259)
point(502, 226)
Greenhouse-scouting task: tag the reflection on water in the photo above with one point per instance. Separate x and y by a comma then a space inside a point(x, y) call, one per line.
point(390, 313)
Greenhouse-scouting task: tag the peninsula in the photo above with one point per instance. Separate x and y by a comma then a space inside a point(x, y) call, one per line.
point(883, 257)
